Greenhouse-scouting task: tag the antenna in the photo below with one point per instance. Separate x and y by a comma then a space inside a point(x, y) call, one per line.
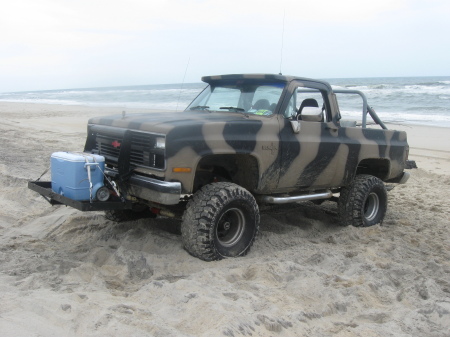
point(182, 83)
point(282, 41)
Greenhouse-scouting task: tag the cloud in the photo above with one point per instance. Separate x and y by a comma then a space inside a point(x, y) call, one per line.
point(54, 43)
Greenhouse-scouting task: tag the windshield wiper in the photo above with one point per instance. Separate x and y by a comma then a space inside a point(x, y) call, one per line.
point(200, 107)
point(232, 108)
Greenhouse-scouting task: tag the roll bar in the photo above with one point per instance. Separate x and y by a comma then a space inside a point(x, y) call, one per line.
point(366, 109)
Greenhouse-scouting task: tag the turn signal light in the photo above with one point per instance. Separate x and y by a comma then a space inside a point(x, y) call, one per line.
point(181, 169)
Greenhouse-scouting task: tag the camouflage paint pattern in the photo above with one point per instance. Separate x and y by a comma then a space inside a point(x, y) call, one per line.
point(322, 155)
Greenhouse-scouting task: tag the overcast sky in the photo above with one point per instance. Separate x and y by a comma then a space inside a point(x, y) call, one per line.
point(56, 44)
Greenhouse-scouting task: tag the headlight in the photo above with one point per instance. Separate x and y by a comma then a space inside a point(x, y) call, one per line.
point(160, 143)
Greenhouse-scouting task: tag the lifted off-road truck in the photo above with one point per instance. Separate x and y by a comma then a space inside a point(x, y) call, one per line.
point(246, 140)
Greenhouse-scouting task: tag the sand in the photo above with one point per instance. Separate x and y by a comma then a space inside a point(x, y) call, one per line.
point(69, 273)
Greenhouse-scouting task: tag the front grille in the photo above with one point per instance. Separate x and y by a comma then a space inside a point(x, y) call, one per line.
point(138, 148)
point(108, 146)
point(144, 152)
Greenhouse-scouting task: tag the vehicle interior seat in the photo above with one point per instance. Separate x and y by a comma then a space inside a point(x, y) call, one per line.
point(261, 104)
point(308, 102)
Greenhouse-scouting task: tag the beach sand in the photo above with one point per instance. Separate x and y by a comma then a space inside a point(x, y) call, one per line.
point(69, 273)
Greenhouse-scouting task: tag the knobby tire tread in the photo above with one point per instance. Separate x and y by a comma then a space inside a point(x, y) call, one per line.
point(196, 229)
point(352, 198)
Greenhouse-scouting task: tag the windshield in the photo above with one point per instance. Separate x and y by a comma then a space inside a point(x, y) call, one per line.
point(257, 99)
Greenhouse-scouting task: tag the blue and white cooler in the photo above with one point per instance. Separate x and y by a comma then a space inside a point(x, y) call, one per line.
point(78, 176)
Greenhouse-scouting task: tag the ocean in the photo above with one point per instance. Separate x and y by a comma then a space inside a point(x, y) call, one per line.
point(402, 100)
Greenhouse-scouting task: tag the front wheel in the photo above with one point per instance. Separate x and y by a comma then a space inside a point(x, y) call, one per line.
point(220, 221)
point(363, 203)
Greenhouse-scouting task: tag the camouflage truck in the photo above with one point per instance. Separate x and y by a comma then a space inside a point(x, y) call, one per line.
point(245, 141)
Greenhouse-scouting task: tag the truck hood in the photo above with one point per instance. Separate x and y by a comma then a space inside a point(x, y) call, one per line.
point(165, 121)
point(199, 131)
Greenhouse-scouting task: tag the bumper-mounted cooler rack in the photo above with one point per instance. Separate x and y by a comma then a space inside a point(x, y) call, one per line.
point(44, 188)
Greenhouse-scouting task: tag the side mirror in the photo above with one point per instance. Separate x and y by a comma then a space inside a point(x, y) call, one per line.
point(312, 114)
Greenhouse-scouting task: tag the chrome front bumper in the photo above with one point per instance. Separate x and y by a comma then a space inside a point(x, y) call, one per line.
point(162, 192)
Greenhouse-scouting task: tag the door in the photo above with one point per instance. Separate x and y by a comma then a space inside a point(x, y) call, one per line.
point(309, 158)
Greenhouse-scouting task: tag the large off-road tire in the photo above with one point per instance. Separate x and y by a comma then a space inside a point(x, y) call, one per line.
point(363, 203)
point(221, 220)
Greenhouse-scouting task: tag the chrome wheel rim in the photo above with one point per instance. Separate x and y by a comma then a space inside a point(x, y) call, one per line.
point(371, 206)
point(230, 227)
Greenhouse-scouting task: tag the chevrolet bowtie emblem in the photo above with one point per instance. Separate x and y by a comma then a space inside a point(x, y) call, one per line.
point(116, 144)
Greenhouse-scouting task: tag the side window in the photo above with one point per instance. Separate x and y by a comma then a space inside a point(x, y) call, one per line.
point(291, 109)
point(304, 97)
point(307, 97)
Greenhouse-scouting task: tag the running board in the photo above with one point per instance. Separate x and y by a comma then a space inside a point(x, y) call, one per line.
point(296, 198)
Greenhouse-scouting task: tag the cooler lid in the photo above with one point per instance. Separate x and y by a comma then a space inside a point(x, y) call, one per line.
point(78, 157)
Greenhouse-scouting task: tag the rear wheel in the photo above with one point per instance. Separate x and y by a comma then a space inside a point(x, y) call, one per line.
point(220, 221)
point(363, 203)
